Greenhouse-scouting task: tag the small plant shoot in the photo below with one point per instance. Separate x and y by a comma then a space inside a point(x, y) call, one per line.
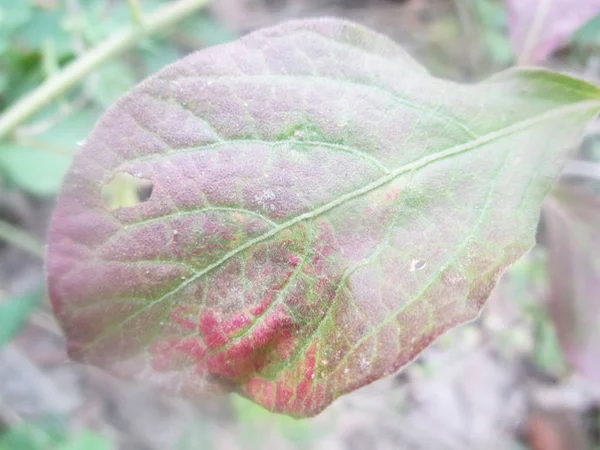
point(318, 210)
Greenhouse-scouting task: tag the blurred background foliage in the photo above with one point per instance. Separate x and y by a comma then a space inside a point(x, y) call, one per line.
point(38, 38)
point(547, 295)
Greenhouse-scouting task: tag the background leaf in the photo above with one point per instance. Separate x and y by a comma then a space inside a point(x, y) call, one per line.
point(322, 209)
point(572, 216)
point(253, 417)
point(493, 21)
point(109, 82)
point(539, 27)
point(31, 436)
point(14, 311)
point(589, 34)
point(38, 163)
point(12, 16)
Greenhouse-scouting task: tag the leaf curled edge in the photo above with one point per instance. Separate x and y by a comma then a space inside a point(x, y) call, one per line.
point(322, 209)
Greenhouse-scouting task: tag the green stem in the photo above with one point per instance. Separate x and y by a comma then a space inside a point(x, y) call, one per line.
point(22, 239)
point(70, 76)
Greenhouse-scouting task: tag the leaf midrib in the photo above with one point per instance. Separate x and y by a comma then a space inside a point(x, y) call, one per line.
point(422, 162)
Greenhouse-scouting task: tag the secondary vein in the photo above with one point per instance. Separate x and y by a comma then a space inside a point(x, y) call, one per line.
point(419, 164)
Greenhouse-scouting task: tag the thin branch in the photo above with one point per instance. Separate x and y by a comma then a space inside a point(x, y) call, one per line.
point(22, 239)
point(43, 125)
point(70, 76)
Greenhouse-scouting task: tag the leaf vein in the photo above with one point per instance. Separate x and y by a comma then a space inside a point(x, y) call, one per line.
point(399, 99)
point(418, 164)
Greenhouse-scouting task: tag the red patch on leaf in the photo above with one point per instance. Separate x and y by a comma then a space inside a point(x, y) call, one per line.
point(293, 259)
point(211, 329)
point(264, 304)
point(181, 316)
point(284, 394)
point(193, 347)
point(237, 323)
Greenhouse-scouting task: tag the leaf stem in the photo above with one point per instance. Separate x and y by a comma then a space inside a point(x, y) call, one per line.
point(22, 239)
point(72, 74)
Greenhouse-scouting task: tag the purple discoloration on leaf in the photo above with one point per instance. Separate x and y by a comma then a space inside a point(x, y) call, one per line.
point(322, 209)
point(573, 221)
point(539, 27)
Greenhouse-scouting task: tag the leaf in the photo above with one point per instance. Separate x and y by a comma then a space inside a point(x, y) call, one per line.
point(45, 22)
point(25, 437)
point(539, 27)
point(253, 417)
point(492, 19)
point(33, 168)
point(39, 164)
point(322, 210)
point(158, 53)
point(33, 436)
point(12, 16)
point(100, 19)
point(203, 30)
point(86, 440)
point(572, 218)
point(589, 34)
point(109, 82)
point(197, 434)
point(14, 312)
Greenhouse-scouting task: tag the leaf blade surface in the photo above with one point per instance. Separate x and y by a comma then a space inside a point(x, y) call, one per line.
point(322, 209)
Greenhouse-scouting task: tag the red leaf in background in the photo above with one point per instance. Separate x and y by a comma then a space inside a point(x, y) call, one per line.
point(573, 222)
point(539, 27)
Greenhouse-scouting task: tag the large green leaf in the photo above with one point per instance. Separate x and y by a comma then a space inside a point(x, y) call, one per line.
point(322, 210)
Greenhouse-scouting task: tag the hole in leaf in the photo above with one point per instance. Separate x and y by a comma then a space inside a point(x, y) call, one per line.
point(125, 190)
point(417, 264)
